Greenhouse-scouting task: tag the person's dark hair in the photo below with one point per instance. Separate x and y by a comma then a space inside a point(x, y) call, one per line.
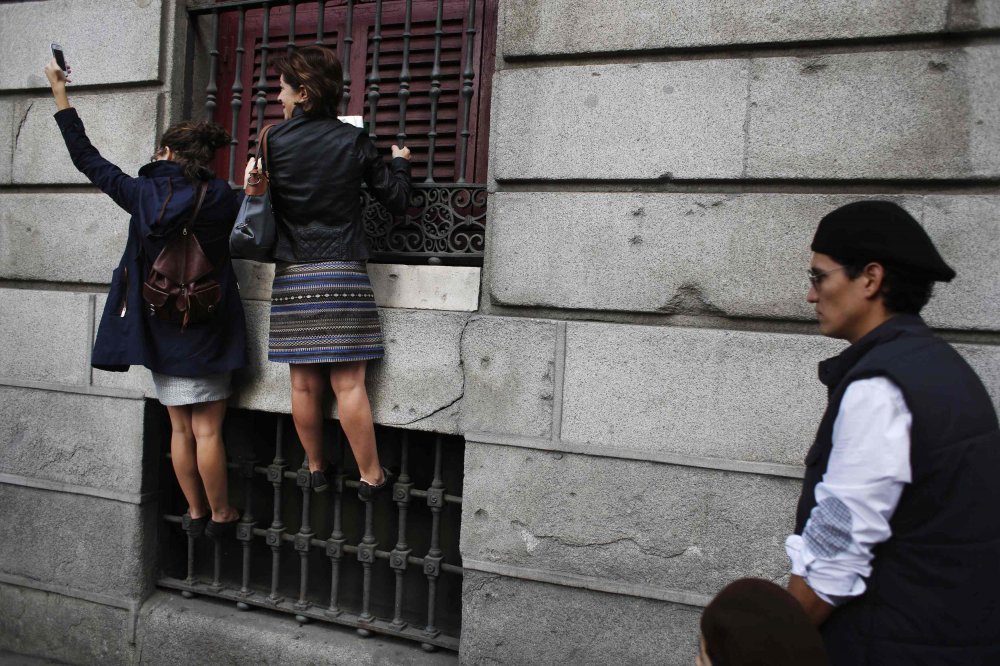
point(194, 145)
point(318, 70)
point(753, 621)
point(903, 292)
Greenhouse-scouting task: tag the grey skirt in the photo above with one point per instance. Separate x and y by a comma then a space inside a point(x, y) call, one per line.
point(176, 391)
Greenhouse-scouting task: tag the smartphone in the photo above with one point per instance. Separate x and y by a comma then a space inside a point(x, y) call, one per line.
point(57, 53)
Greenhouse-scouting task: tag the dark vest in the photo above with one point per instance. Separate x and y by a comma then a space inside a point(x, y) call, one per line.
point(934, 593)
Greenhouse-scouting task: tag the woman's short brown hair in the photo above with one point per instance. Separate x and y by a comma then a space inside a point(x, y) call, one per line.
point(318, 70)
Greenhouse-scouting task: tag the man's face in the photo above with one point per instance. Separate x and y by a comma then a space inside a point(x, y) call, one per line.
point(841, 303)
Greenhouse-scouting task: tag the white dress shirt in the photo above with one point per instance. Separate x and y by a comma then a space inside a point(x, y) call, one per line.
point(868, 469)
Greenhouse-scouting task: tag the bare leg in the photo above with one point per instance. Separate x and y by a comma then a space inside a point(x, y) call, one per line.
point(206, 423)
point(348, 382)
point(308, 384)
point(182, 454)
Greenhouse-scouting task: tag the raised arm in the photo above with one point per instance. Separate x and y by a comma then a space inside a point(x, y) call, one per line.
point(112, 181)
point(390, 185)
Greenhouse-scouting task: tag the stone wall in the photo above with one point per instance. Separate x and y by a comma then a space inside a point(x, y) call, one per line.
point(77, 549)
point(78, 473)
point(637, 388)
point(640, 379)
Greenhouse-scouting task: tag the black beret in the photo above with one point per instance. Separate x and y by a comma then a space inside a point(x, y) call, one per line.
point(880, 231)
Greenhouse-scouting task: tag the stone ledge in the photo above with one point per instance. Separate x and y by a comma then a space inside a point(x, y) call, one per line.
point(516, 622)
point(400, 286)
point(539, 28)
point(648, 121)
point(106, 42)
point(47, 336)
point(509, 370)
point(40, 155)
point(927, 114)
point(419, 384)
point(73, 439)
point(60, 627)
point(735, 255)
point(669, 528)
point(651, 388)
point(215, 632)
point(6, 140)
point(57, 237)
point(83, 543)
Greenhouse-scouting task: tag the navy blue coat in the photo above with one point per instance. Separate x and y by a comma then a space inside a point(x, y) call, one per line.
point(159, 200)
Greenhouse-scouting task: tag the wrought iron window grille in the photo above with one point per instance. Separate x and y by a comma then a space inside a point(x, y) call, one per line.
point(423, 78)
point(389, 566)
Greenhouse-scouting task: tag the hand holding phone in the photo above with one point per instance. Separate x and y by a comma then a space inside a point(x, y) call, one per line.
point(57, 53)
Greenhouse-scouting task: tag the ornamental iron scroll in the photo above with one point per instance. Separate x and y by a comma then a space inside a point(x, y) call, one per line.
point(442, 221)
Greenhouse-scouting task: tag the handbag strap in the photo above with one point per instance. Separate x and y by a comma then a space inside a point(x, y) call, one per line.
point(262, 150)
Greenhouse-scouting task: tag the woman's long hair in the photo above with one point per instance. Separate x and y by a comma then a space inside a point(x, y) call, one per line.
point(194, 145)
point(318, 70)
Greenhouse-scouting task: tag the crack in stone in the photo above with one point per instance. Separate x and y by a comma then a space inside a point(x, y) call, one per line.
point(574, 543)
point(461, 392)
point(20, 125)
point(486, 580)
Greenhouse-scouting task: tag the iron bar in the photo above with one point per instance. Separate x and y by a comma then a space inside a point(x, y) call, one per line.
point(435, 90)
point(404, 75)
point(432, 561)
point(346, 60)
point(366, 556)
point(237, 102)
point(245, 529)
point(335, 544)
point(303, 540)
point(373, 78)
point(467, 90)
point(213, 64)
point(320, 17)
point(262, 80)
point(189, 531)
point(290, 48)
point(276, 474)
point(400, 556)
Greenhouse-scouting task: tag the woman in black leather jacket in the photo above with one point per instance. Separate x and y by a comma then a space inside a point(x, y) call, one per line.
point(324, 322)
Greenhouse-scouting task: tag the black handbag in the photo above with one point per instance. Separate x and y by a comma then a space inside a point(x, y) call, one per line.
point(256, 231)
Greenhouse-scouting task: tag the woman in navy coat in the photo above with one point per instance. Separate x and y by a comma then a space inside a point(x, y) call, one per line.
point(191, 366)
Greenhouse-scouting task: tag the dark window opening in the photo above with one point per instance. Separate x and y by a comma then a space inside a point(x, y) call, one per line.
point(315, 555)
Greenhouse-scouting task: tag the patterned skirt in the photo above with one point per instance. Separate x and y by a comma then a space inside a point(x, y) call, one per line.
point(323, 312)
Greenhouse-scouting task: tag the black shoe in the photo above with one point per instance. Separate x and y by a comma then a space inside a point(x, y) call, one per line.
point(214, 530)
point(194, 526)
point(367, 492)
point(320, 481)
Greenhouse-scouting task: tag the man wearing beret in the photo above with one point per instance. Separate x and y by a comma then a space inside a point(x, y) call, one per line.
point(896, 551)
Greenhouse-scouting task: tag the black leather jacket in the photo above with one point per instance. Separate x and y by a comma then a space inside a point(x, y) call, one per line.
point(316, 168)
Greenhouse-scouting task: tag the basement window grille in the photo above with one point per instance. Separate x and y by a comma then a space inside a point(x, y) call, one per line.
point(390, 566)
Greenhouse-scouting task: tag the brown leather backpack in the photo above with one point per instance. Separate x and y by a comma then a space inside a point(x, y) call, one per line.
point(177, 288)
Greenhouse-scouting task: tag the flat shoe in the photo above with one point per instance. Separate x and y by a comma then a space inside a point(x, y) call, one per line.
point(194, 526)
point(366, 491)
point(214, 530)
point(320, 481)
